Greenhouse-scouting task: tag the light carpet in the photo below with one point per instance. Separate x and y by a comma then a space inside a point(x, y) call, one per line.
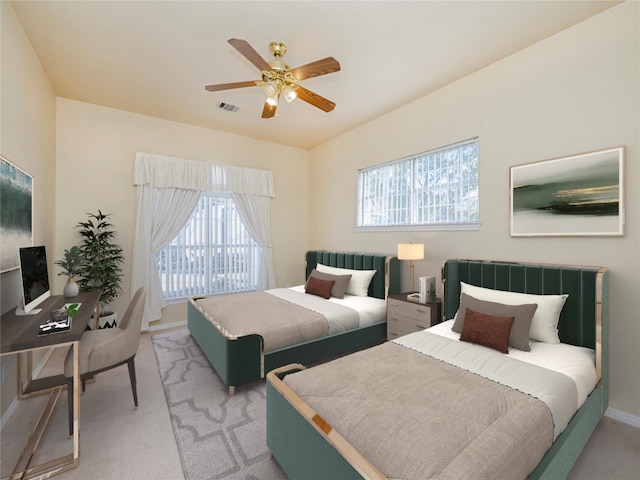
point(218, 436)
point(117, 440)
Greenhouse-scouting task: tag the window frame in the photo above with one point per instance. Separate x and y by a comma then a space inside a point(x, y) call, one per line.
point(456, 226)
point(175, 299)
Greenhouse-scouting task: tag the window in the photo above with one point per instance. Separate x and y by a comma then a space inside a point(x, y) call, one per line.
point(432, 190)
point(212, 254)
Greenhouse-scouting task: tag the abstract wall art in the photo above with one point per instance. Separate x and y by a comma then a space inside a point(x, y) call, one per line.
point(16, 213)
point(579, 195)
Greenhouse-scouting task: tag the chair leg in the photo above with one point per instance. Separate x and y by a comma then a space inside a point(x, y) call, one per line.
point(132, 377)
point(70, 403)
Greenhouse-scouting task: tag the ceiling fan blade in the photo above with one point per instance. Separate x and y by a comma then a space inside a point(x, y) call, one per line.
point(229, 86)
point(269, 110)
point(249, 53)
point(315, 99)
point(317, 68)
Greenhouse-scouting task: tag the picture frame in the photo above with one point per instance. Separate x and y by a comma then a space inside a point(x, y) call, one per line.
point(16, 213)
point(578, 195)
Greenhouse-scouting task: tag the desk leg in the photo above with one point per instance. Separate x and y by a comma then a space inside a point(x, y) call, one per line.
point(76, 403)
point(22, 386)
point(23, 469)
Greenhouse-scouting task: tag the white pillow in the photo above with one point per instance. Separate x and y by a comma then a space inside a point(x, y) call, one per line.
point(360, 279)
point(544, 325)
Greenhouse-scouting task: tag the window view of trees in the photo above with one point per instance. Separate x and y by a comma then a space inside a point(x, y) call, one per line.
point(439, 187)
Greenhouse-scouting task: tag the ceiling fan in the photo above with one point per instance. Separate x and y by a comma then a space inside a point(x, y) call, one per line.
point(279, 78)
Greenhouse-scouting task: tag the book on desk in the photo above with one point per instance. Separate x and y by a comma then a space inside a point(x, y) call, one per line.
point(57, 326)
point(54, 327)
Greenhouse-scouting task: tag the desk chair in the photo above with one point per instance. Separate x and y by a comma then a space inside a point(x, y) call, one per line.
point(108, 348)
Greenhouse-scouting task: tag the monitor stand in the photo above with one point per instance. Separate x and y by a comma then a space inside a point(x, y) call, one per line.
point(20, 311)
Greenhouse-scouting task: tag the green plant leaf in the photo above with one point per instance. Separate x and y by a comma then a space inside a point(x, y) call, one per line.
point(72, 309)
point(103, 258)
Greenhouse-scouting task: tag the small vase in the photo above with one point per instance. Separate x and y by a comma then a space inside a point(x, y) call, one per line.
point(71, 288)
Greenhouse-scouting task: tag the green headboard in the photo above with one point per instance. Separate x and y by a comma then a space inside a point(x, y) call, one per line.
point(385, 282)
point(588, 289)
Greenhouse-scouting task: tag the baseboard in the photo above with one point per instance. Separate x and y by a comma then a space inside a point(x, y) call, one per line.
point(165, 326)
point(7, 414)
point(43, 362)
point(623, 417)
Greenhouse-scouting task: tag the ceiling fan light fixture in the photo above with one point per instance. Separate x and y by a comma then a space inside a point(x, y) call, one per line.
point(272, 100)
point(279, 78)
point(289, 93)
point(271, 89)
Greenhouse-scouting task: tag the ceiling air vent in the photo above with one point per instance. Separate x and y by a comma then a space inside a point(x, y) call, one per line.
point(228, 107)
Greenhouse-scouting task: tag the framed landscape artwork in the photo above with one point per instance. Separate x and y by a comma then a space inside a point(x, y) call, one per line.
point(16, 192)
point(578, 195)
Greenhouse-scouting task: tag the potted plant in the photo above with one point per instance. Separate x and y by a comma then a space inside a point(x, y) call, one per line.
point(70, 266)
point(101, 269)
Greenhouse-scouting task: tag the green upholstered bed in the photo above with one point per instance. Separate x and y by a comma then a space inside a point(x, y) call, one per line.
point(306, 445)
point(240, 360)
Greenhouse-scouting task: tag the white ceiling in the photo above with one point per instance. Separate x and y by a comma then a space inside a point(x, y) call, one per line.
point(154, 58)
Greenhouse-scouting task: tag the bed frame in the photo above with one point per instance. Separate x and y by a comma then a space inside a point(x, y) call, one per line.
point(307, 447)
point(240, 360)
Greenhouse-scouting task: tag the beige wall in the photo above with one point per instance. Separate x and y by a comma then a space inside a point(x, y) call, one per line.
point(96, 147)
point(27, 138)
point(575, 92)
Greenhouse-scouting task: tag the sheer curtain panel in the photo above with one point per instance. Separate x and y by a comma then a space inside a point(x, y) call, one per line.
point(255, 213)
point(168, 190)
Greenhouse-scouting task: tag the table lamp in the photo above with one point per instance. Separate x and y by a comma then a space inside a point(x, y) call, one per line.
point(411, 252)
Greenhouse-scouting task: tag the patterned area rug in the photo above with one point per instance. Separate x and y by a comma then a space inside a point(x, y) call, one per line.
point(219, 437)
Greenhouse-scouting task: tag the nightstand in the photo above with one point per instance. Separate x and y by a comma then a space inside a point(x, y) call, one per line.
point(405, 316)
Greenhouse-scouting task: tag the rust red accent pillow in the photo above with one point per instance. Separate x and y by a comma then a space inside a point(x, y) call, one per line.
point(321, 288)
point(488, 330)
point(522, 316)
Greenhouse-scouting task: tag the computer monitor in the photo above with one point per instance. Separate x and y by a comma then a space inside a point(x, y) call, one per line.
point(35, 279)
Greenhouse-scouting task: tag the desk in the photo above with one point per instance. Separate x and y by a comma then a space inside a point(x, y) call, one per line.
point(20, 335)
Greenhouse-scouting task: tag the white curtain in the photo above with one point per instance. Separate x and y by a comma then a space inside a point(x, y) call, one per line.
point(168, 190)
point(255, 211)
point(162, 212)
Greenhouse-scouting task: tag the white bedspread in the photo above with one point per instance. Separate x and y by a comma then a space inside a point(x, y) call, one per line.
point(556, 390)
point(340, 318)
point(575, 362)
point(370, 309)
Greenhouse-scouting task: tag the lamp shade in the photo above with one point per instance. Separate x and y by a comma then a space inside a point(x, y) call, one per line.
point(273, 101)
point(270, 89)
point(289, 94)
point(410, 251)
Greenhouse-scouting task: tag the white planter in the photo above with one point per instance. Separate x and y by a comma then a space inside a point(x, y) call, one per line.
point(71, 288)
point(108, 320)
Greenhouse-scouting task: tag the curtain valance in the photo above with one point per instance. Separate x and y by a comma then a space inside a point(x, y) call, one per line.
point(160, 171)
